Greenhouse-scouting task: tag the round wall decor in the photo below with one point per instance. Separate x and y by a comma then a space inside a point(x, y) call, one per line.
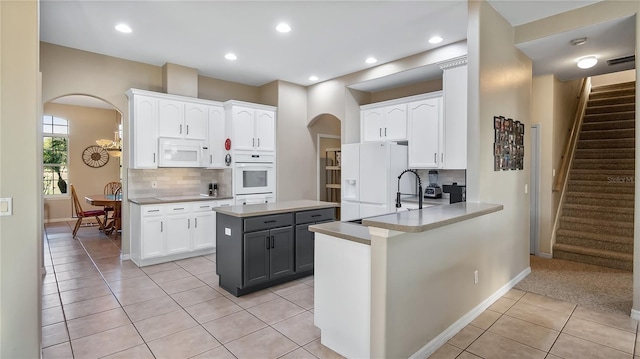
point(95, 156)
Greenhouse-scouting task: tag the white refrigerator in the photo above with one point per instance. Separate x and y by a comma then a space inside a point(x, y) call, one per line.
point(370, 178)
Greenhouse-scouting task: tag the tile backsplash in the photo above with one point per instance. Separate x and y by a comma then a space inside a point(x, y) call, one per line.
point(177, 182)
point(445, 177)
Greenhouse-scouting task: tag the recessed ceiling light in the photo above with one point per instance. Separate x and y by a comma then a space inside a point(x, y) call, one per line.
point(231, 56)
point(313, 78)
point(283, 27)
point(587, 62)
point(123, 28)
point(371, 60)
point(435, 40)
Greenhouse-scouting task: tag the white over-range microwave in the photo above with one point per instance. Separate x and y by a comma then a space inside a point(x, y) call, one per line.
point(180, 153)
point(255, 178)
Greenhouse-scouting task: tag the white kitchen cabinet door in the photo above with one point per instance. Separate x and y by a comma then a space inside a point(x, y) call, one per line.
point(244, 130)
point(395, 123)
point(178, 233)
point(153, 237)
point(196, 118)
point(454, 84)
point(204, 230)
point(372, 122)
point(424, 133)
point(144, 131)
point(170, 118)
point(265, 125)
point(217, 136)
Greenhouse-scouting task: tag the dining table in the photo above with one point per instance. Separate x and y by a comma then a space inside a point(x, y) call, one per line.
point(110, 200)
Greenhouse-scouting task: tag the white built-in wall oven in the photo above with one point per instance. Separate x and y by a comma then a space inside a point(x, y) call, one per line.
point(254, 179)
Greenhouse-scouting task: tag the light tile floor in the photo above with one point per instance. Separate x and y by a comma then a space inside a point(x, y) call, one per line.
point(96, 306)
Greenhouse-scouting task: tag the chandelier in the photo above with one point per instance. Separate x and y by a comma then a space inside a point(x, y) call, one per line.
point(114, 148)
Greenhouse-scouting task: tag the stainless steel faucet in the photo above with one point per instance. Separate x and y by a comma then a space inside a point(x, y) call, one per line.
point(398, 204)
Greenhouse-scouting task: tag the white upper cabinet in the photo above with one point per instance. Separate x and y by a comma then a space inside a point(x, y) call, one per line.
point(253, 126)
point(454, 82)
point(425, 124)
point(214, 158)
point(384, 123)
point(143, 124)
point(178, 119)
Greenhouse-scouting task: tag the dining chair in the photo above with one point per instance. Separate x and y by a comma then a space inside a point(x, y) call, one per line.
point(81, 214)
point(110, 188)
point(114, 225)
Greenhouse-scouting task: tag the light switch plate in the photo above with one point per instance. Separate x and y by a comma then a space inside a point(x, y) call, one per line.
point(6, 206)
point(227, 231)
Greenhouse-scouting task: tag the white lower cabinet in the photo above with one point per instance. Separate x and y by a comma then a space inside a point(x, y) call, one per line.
point(167, 232)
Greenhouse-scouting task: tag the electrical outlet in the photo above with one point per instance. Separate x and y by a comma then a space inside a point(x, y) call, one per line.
point(154, 184)
point(475, 277)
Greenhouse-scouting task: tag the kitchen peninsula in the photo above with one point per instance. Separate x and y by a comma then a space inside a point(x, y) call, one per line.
point(401, 284)
point(266, 244)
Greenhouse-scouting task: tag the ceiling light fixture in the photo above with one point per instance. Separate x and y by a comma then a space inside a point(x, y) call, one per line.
point(313, 78)
point(231, 56)
point(435, 40)
point(123, 28)
point(579, 41)
point(283, 27)
point(371, 60)
point(587, 62)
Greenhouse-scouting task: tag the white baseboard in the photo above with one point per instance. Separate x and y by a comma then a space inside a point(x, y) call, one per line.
point(545, 255)
point(635, 314)
point(55, 220)
point(448, 333)
point(125, 257)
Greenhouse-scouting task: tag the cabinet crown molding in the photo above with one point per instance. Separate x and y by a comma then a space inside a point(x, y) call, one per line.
point(454, 63)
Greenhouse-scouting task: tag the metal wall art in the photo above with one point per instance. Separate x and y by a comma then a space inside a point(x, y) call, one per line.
point(508, 146)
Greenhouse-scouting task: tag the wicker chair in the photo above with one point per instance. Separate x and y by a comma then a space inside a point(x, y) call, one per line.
point(81, 214)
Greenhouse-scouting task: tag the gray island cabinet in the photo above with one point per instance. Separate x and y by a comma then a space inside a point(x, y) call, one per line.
point(267, 244)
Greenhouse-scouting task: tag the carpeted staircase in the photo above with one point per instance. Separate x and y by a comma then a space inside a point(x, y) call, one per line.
point(596, 224)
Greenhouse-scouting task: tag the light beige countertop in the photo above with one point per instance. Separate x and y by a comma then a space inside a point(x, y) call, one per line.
point(346, 230)
point(175, 199)
point(430, 218)
point(413, 221)
point(262, 209)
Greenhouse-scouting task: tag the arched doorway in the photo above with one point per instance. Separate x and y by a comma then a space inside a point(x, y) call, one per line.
point(325, 130)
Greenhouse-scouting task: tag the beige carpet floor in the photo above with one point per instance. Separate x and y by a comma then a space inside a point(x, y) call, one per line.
point(599, 288)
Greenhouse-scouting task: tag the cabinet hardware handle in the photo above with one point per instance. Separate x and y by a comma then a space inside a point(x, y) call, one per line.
point(187, 129)
point(271, 221)
point(154, 158)
point(204, 206)
point(442, 158)
point(255, 156)
point(210, 158)
point(380, 132)
point(273, 244)
point(435, 157)
point(180, 129)
point(196, 226)
point(154, 210)
point(253, 142)
point(385, 132)
point(178, 209)
point(161, 227)
point(316, 215)
point(188, 222)
point(258, 141)
point(268, 243)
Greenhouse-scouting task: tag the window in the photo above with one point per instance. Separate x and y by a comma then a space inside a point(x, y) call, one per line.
point(55, 154)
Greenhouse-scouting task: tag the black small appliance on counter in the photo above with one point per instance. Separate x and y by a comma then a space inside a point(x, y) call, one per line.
point(456, 193)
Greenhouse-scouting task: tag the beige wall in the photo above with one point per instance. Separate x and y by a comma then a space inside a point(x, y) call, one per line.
point(410, 90)
point(86, 125)
point(499, 84)
point(613, 78)
point(553, 107)
point(21, 233)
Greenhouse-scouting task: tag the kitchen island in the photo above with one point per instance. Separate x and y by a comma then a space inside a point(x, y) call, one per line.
point(262, 245)
point(401, 284)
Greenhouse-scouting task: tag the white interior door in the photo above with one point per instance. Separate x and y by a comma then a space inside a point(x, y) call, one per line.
point(534, 210)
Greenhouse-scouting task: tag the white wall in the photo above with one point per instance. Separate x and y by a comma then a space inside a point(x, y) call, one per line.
point(20, 152)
